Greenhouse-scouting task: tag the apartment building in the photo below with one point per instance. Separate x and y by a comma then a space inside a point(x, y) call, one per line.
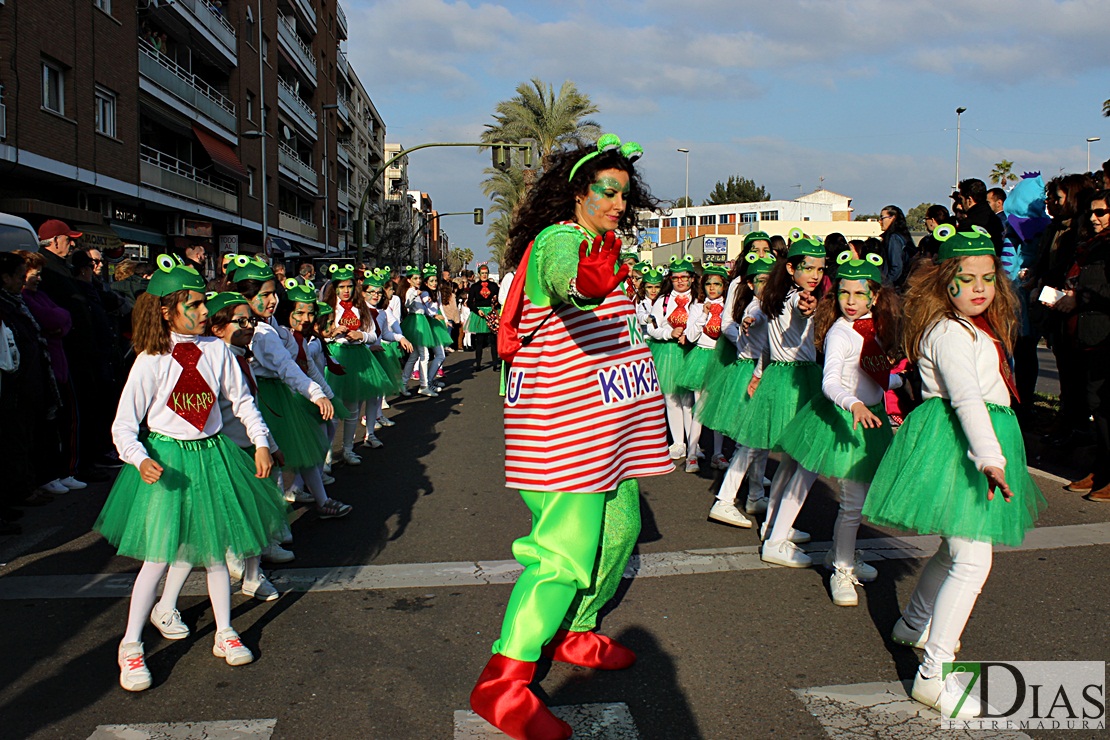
point(145, 122)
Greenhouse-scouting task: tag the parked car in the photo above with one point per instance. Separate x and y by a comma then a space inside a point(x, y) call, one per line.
point(16, 233)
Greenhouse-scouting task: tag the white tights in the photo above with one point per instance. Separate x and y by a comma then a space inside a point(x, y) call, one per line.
point(848, 518)
point(945, 596)
point(695, 433)
point(680, 420)
point(745, 461)
point(313, 482)
point(430, 359)
point(146, 588)
point(787, 497)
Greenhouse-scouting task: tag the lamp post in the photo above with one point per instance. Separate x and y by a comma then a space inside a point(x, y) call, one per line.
point(265, 126)
point(1089, 140)
point(959, 112)
point(686, 203)
point(327, 162)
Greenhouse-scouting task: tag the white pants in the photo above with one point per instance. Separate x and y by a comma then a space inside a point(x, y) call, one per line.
point(848, 518)
point(945, 596)
point(745, 462)
point(680, 420)
point(430, 359)
point(789, 489)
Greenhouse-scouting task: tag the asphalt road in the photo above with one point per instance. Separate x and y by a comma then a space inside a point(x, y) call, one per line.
point(721, 654)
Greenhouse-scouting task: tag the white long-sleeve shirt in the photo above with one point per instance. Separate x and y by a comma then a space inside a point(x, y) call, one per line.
point(272, 360)
point(843, 381)
point(311, 369)
point(753, 345)
point(729, 326)
point(790, 334)
point(150, 391)
point(418, 301)
point(699, 317)
point(643, 312)
point(233, 428)
point(503, 287)
point(960, 363)
point(661, 311)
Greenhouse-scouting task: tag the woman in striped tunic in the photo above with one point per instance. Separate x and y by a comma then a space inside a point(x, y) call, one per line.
point(583, 420)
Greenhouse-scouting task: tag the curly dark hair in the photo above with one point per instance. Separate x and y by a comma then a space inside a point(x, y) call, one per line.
point(551, 199)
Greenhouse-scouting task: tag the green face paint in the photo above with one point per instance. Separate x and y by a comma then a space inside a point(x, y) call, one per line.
point(956, 287)
point(608, 187)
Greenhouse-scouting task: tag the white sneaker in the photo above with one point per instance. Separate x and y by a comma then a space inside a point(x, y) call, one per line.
point(727, 513)
point(797, 536)
point(385, 405)
point(296, 495)
point(327, 466)
point(785, 553)
point(133, 673)
point(229, 647)
point(55, 487)
point(386, 422)
point(677, 451)
point(719, 462)
point(277, 554)
point(766, 482)
point(842, 585)
point(372, 441)
point(261, 589)
point(235, 566)
point(692, 465)
point(329, 459)
point(406, 392)
point(439, 385)
point(903, 634)
point(73, 484)
point(865, 572)
point(759, 506)
point(350, 458)
point(377, 424)
point(286, 536)
point(169, 623)
point(429, 392)
point(327, 479)
point(946, 695)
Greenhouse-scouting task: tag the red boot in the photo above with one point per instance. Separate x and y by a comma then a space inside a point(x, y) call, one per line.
point(502, 698)
point(589, 650)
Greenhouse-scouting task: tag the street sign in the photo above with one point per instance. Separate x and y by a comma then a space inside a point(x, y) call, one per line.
point(229, 244)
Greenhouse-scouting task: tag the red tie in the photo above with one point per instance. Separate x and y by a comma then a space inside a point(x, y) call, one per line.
point(679, 316)
point(191, 399)
point(348, 318)
point(302, 358)
point(713, 326)
point(1003, 364)
point(245, 366)
point(872, 360)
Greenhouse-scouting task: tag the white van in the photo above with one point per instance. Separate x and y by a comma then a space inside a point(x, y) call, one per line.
point(16, 233)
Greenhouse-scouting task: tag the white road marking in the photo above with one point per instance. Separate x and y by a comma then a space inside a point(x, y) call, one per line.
point(872, 710)
point(492, 572)
point(1046, 474)
point(233, 729)
point(590, 722)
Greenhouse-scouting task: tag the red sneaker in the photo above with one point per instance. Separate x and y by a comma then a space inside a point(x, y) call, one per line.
point(502, 698)
point(589, 650)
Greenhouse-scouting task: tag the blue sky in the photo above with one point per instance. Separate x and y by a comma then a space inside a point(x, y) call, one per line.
point(861, 93)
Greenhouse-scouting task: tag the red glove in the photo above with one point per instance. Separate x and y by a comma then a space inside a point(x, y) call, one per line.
point(595, 278)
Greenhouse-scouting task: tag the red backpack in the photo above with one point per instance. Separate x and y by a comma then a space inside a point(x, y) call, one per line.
point(509, 341)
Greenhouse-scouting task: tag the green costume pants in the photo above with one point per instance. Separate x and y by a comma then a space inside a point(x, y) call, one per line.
point(573, 561)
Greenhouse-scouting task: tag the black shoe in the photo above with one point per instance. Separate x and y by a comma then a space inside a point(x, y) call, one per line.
point(497, 368)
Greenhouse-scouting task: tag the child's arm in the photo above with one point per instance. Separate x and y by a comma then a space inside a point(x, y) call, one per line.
point(954, 354)
point(134, 403)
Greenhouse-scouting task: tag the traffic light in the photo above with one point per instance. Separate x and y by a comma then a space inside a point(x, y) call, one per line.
point(531, 154)
point(479, 216)
point(500, 157)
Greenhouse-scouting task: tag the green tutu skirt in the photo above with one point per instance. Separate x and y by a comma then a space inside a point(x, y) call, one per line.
point(442, 333)
point(722, 402)
point(782, 392)
point(821, 440)
point(670, 357)
point(206, 503)
point(926, 483)
point(476, 324)
point(692, 375)
point(365, 378)
point(392, 362)
point(420, 330)
point(295, 423)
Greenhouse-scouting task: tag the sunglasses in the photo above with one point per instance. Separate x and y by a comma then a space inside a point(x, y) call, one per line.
point(246, 322)
point(1099, 212)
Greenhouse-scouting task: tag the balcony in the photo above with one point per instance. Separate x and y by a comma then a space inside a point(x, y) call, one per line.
point(297, 109)
point(3, 121)
point(304, 8)
point(293, 167)
point(341, 63)
point(340, 21)
point(299, 52)
point(184, 86)
point(289, 222)
point(343, 107)
point(206, 26)
point(342, 153)
point(161, 171)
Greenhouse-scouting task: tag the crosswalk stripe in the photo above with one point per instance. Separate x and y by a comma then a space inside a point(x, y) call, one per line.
point(493, 572)
point(590, 722)
point(232, 729)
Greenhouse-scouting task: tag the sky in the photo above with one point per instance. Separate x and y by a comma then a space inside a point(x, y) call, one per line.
point(856, 96)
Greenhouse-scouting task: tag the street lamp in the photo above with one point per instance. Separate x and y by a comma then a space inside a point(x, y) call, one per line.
point(1089, 140)
point(959, 111)
point(261, 136)
point(686, 208)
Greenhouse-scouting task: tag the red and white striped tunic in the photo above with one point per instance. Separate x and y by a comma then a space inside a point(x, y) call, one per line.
point(583, 410)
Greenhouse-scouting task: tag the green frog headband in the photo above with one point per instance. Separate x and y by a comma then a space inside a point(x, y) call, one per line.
point(217, 302)
point(864, 269)
point(323, 309)
point(248, 267)
point(411, 271)
point(685, 263)
point(376, 278)
point(173, 275)
point(638, 268)
point(756, 236)
point(630, 150)
point(962, 243)
point(339, 274)
point(652, 275)
point(429, 271)
point(804, 246)
point(715, 270)
point(634, 256)
point(300, 292)
point(758, 265)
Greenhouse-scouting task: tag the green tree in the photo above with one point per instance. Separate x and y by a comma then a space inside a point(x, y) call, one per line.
point(865, 217)
point(458, 259)
point(1106, 108)
point(915, 217)
point(683, 202)
point(1002, 173)
point(736, 189)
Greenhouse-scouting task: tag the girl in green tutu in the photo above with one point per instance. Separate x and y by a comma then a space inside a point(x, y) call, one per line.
point(843, 432)
point(188, 494)
point(668, 328)
point(651, 287)
point(957, 465)
point(419, 328)
point(385, 346)
point(702, 331)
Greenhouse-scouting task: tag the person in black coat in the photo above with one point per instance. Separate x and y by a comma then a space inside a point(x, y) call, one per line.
point(481, 299)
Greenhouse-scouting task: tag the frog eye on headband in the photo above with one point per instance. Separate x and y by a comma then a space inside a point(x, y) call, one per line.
point(751, 257)
point(818, 239)
point(333, 268)
point(874, 259)
point(608, 142)
point(980, 230)
point(631, 151)
point(349, 267)
point(309, 285)
point(210, 295)
point(645, 270)
point(843, 257)
point(165, 262)
point(944, 232)
point(290, 283)
point(241, 260)
point(796, 234)
point(663, 271)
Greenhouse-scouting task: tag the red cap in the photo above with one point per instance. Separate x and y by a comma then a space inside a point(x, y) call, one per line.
point(54, 227)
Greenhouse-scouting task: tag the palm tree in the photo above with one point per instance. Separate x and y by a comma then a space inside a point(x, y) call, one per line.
point(498, 241)
point(1106, 108)
point(1002, 173)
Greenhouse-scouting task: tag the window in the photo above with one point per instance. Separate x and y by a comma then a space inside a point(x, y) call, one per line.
point(105, 5)
point(105, 112)
point(265, 49)
point(250, 181)
point(748, 218)
point(53, 88)
point(707, 220)
point(670, 222)
point(768, 215)
point(250, 106)
point(728, 218)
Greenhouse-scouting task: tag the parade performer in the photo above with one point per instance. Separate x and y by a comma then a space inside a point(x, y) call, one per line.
point(844, 432)
point(583, 421)
point(188, 495)
point(739, 359)
point(669, 331)
point(702, 331)
point(481, 299)
point(386, 342)
point(651, 286)
point(957, 466)
point(418, 328)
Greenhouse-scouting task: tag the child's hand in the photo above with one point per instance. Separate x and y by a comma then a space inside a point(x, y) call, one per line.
point(263, 462)
point(861, 415)
point(150, 471)
point(677, 332)
point(326, 409)
point(752, 385)
point(405, 344)
point(746, 324)
point(996, 478)
point(807, 304)
point(355, 336)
